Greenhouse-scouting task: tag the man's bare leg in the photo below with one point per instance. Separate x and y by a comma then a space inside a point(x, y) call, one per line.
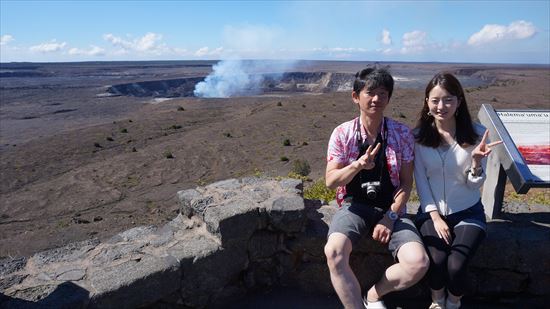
point(337, 251)
point(413, 265)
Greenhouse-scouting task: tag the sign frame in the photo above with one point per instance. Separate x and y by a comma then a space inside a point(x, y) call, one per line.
point(504, 160)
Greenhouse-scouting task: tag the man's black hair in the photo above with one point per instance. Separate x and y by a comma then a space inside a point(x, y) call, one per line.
point(373, 78)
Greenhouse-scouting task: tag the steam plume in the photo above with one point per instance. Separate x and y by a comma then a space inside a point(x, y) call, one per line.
point(229, 78)
point(239, 77)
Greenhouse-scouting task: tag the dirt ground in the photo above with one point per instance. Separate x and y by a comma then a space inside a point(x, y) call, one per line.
point(114, 173)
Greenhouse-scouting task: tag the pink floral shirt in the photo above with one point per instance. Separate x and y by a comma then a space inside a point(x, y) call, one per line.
point(343, 147)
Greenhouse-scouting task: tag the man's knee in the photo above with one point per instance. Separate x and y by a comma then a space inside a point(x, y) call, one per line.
point(414, 258)
point(337, 251)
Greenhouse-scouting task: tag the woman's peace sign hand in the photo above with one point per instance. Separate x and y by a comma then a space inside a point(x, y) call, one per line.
point(483, 149)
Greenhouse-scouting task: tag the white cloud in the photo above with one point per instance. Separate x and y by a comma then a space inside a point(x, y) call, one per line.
point(5, 39)
point(149, 43)
point(202, 51)
point(385, 51)
point(492, 33)
point(93, 51)
point(49, 47)
point(386, 37)
point(205, 51)
point(414, 42)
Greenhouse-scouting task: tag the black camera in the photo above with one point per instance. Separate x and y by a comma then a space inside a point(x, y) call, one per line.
point(371, 189)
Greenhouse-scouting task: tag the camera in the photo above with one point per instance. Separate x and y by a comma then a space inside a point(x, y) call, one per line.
point(371, 189)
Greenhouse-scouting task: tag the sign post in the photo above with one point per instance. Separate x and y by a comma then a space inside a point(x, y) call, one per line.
point(524, 155)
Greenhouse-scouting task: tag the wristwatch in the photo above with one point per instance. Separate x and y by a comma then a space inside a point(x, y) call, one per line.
point(392, 215)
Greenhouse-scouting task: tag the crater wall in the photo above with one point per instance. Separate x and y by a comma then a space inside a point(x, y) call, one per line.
point(307, 82)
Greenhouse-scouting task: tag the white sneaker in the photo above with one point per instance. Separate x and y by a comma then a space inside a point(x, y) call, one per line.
point(450, 305)
point(437, 305)
point(374, 305)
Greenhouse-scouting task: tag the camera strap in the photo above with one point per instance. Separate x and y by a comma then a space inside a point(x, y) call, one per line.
point(382, 137)
point(379, 173)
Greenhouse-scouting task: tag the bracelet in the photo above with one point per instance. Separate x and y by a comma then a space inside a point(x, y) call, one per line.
point(476, 171)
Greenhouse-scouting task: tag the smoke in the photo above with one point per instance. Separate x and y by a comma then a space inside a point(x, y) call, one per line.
point(238, 77)
point(229, 78)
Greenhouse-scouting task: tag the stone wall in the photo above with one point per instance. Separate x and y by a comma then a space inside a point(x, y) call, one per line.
point(237, 236)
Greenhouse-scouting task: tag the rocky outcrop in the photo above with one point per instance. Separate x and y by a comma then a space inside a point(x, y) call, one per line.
point(237, 236)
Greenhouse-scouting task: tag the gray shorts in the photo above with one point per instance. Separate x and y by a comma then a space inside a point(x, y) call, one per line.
point(358, 219)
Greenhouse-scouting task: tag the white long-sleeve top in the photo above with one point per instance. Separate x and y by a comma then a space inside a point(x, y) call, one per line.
point(442, 179)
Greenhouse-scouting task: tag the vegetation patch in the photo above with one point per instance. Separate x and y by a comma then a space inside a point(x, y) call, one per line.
point(319, 191)
point(168, 155)
point(301, 167)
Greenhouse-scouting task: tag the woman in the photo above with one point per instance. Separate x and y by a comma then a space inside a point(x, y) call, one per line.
point(370, 160)
point(449, 166)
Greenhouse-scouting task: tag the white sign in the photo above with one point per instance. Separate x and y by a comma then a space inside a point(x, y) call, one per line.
point(530, 131)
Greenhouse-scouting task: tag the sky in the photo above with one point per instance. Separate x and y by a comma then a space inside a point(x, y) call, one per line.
point(416, 31)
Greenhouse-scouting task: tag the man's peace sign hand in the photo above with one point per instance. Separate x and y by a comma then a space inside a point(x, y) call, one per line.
point(366, 161)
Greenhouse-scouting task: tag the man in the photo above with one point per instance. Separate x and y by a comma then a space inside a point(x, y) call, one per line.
point(370, 160)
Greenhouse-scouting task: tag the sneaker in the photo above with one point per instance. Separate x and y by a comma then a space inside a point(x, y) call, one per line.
point(436, 305)
point(374, 305)
point(450, 305)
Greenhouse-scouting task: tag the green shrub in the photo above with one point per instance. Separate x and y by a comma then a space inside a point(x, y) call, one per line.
point(319, 191)
point(279, 103)
point(110, 139)
point(298, 176)
point(301, 167)
point(123, 131)
point(286, 142)
point(168, 155)
point(98, 145)
point(284, 159)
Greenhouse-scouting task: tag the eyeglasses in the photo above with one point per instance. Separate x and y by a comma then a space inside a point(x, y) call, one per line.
point(446, 100)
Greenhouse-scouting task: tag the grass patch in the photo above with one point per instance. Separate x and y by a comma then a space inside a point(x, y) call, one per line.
point(319, 191)
point(298, 176)
point(534, 196)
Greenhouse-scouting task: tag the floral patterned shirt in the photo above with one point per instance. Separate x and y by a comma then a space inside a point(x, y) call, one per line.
point(343, 147)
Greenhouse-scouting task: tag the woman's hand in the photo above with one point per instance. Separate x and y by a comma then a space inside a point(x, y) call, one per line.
point(442, 229)
point(482, 150)
point(366, 161)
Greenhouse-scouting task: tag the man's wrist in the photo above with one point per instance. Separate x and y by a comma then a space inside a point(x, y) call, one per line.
point(393, 216)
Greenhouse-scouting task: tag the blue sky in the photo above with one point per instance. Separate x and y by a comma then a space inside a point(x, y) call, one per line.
point(443, 31)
